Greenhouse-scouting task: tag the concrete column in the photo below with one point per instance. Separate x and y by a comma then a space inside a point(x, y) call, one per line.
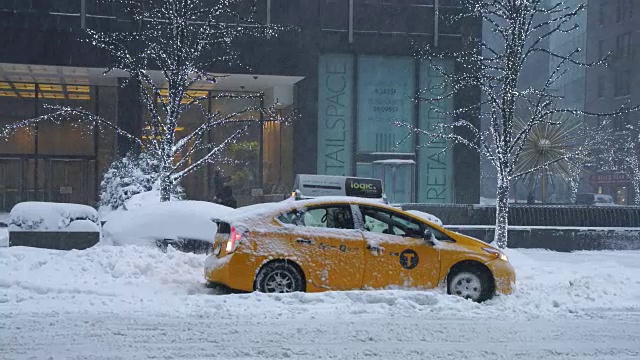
point(129, 116)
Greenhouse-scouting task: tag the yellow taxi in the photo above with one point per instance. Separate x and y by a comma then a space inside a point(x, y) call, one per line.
point(346, 243)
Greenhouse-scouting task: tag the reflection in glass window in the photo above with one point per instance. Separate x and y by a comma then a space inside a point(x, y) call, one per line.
point(382, 221)
point(439, 235)
point(290, 218)
point(385, 222)
point(334, 217)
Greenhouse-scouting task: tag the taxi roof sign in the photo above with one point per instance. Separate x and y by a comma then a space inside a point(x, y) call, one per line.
point(311, 186)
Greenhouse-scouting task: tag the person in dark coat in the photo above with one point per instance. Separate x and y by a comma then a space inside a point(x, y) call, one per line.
point(531, 198)
point(226, 197)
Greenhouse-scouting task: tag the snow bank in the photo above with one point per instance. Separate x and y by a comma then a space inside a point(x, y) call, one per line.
point(160, 221)
point(46, 216)
point(4, 231)
point(105, 277)
point(551, 285)
point(4, 237)
point(137, 302)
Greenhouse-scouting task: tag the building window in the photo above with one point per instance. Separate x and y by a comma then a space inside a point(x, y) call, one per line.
point(623, 46)
point(602, 13)
point(600, 87)
point(623, 83)
point(624, 10)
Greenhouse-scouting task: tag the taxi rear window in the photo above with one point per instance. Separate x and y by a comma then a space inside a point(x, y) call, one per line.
point(223, 228)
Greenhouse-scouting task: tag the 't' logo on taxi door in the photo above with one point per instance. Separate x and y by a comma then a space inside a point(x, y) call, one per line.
point(409, 259)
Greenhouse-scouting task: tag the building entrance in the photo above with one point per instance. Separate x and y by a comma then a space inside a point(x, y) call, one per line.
point(58, 180)
point(11, 182)
point(70, 180)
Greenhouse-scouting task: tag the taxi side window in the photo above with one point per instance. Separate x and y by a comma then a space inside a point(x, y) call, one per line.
point(291, 218)
point(439, 235)
point(386, 222)
point(333, 217)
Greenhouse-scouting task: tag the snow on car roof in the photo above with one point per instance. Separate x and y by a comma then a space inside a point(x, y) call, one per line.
point(251, 211)
point(425, 216)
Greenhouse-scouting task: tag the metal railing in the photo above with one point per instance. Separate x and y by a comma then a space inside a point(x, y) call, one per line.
point(536, 215)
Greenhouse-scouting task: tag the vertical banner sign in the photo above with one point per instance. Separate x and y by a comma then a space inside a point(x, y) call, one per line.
point(335, 114)
point(386, 86)
point(435, 182)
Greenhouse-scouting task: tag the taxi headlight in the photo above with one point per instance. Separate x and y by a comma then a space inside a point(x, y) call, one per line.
point(497, 253)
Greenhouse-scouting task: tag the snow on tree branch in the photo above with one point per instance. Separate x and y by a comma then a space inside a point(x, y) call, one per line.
point(170, 51)
point(521, 28)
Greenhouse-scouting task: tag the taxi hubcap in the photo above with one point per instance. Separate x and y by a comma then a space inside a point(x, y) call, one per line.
point(279, 282)
point(466, 285)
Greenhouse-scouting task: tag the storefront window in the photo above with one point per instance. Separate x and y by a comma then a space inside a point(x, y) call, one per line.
point(238, 164)
point(386, 87)
point(67, 137)
point(59, 164)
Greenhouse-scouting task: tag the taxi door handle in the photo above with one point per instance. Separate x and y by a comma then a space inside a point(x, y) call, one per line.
point(304, 241)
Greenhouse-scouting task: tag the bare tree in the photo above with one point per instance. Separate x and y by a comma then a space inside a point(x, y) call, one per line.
point(176, 45)
point(522, 28)
point(623, 155)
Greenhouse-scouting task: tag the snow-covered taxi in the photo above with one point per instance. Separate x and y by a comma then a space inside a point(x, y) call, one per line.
point(345, 243)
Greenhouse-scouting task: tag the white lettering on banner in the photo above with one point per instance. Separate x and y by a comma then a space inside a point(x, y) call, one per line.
point(335, 114)
point(435, 160)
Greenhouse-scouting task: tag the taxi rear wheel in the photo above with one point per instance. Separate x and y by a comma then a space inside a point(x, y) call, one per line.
point(471, 282)
point(279, 277)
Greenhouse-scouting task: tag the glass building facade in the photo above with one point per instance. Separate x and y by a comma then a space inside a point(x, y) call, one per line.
point(344, 77)
point(361, 102)
point(63, 161)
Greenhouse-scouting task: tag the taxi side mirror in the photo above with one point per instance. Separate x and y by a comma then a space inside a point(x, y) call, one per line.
point(428, 236)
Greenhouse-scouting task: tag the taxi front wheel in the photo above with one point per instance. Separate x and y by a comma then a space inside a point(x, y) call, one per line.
point(471, 283)
point(279, 277)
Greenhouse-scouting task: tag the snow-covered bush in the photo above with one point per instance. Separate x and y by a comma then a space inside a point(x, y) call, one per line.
point(128, 177)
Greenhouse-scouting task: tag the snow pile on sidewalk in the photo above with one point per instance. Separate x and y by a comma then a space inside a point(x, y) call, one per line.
point(4, 237)
point(102, 277)
point(142, 279)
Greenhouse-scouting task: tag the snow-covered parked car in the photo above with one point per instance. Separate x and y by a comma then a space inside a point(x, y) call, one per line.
point(53, 225)
point(186, 225)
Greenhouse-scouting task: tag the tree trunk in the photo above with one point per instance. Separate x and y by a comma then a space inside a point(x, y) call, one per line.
point(166, 187)
point(636, 189)
point(502, 213)
point(635, 174)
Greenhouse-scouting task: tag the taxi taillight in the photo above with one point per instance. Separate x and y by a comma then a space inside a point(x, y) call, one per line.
point(234, 238)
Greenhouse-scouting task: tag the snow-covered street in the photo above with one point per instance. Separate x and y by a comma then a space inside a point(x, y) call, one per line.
point(134, 302)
